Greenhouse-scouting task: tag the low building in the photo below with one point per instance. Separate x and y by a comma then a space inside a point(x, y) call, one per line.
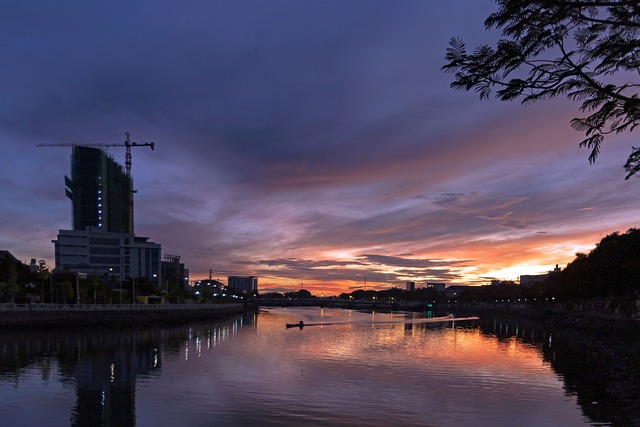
point(110, 255)
point(440, 287)
point(454, 291)
point(527, 280)
point(245, 284)
point(174, 271)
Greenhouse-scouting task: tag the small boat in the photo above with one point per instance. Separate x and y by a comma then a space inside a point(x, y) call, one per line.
point(295, 325)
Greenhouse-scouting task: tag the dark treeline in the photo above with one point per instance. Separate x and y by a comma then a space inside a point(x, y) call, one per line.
point(610, 270)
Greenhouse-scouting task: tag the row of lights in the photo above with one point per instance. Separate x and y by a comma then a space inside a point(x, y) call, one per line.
point(100, 203)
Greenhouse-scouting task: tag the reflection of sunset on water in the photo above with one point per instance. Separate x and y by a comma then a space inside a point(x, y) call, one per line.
point(358, 369)
point(395, 355)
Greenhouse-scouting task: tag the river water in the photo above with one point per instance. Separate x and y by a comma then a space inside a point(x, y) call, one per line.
point(346, 368)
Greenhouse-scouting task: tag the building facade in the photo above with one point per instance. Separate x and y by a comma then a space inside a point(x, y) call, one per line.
point(174, 271)
point(440, 287)
point(101, 192)
point(109, 255)
point(245, 284)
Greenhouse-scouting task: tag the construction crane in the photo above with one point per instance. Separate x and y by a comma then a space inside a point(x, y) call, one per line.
point(127, 143)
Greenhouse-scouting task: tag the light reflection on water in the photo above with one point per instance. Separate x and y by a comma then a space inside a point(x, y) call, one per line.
point(361, 369)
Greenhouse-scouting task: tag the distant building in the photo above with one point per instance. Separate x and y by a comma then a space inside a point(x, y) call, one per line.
point(174, 270)
point(117, 255)
point(211, 283)
point(411, 286)
point(527, 280)
point(245, 284)
point(101, 192)
point(440, 287)
point(454, 291)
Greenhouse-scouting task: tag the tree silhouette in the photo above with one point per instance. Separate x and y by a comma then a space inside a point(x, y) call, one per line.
point(8, 278)
point(611, 269)
point(42, 273)
point(587, 51)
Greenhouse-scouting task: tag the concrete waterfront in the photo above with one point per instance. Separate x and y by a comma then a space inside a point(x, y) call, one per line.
point(46, 316)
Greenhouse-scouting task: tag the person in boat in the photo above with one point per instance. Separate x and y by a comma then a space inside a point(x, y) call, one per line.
point(301, 324)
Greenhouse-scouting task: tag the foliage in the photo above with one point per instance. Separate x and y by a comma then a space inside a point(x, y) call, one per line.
point(105, 292)
point(43, 272)
point(64, 291)
point(89, 289)
point(587, 51)
point(301, 294)
point(360, 294)
point(612, 269)
point(272, 295)
point(8, 279)
point(421, 294)
point(394, 295)
point(178, 292)
point(178, 289)
point(502, 291)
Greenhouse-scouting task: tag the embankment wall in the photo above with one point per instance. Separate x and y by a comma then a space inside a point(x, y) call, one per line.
point(28, 317)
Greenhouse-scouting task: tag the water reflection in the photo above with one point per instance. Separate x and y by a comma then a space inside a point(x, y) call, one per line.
point(104, 365)
point(601, 369)
point(357, 369)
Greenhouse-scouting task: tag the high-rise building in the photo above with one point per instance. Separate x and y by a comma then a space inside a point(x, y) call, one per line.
point(100, 191)
point(102, 241)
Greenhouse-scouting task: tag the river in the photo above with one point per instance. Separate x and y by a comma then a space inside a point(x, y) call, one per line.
point(345, 368)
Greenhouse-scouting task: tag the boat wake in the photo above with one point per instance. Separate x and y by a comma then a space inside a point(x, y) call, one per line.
point(386, 322)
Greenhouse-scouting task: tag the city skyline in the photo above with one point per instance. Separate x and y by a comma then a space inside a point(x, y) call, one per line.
point(312, 144)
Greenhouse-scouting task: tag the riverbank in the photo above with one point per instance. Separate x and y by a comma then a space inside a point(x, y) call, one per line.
point(603, 323)
point(50, 316)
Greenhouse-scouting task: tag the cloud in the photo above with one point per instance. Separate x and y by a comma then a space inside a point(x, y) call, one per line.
point(314, 142)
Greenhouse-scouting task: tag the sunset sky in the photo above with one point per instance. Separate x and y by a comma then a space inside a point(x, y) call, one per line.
point(311, 143)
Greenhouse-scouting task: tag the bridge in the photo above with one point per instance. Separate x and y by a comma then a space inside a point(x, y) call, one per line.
point(337, 303)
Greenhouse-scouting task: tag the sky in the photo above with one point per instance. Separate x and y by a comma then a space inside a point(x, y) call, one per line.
point(314, 144)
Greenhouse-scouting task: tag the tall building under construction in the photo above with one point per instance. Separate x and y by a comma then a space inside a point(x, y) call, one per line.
point(102, 241)
point(101, 192)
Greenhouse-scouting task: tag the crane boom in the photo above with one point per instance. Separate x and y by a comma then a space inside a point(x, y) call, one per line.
point(127, 143)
